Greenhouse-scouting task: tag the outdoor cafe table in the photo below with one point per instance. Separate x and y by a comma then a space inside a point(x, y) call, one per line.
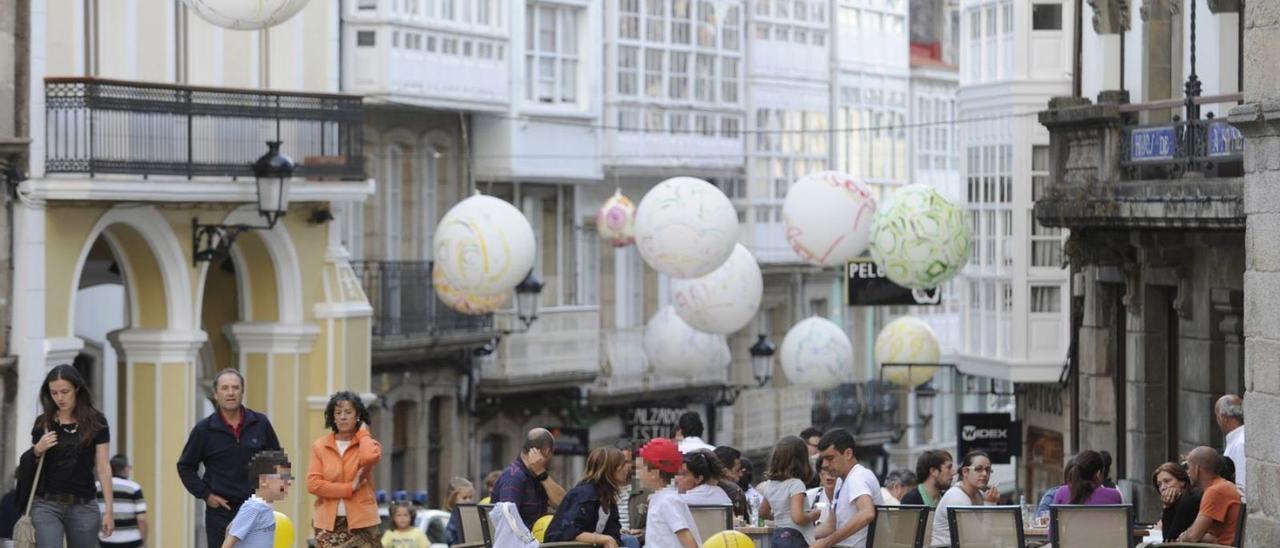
point(1041, 534)
point(759, 535)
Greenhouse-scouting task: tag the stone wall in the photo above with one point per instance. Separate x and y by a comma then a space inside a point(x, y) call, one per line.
point(14, 50)
point(1259, 119)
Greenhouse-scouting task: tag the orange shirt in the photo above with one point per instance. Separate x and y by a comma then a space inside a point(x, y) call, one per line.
point(330, 477)
point(1221, 503)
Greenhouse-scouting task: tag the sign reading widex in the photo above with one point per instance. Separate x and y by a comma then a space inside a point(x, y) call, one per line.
point(995, 433)
point(866, 285)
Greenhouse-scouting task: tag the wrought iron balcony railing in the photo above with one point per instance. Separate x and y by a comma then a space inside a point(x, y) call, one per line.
point(110, 126)
point(405, 304)
point(1168, 150)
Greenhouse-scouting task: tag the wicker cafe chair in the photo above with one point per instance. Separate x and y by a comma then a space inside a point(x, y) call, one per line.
point(898, 527)
point(986, 527)
point(711, 519)
point(1091, 526)
point(473, 526)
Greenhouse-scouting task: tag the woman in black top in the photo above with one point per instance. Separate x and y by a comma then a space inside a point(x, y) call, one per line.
point(72, 437)
point(1181, 500)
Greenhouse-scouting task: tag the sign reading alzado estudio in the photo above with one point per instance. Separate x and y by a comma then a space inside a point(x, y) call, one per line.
point(866, 285)
point(996, 433)
point(645, 423)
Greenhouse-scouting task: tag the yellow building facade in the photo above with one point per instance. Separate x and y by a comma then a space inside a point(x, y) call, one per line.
point(124, 97)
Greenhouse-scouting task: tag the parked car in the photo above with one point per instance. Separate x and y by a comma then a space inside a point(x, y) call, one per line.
point(432, 522)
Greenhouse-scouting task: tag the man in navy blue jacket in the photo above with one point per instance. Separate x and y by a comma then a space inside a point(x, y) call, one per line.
point(224, 442)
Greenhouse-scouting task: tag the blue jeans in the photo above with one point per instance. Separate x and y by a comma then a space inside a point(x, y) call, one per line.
point(787, 538)
point(630, 542)
point(78, 524)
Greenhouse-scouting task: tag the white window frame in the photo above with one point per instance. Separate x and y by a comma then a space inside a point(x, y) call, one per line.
point(564, 57)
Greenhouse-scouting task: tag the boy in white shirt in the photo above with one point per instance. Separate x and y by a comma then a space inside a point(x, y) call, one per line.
point(668, 523)
point(856, 497)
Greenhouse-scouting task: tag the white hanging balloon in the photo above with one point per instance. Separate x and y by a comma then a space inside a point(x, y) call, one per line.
point(245, 14)
point(685, 227)
point(616, 221)
point(817, 353)
point(675, 348)
point(725, 300)
point(908, 340)
point(920, 239)
point(484, 245)
point(829, 216)
point(465, 303)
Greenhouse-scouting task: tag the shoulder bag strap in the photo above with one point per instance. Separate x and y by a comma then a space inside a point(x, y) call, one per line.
point(35, 483)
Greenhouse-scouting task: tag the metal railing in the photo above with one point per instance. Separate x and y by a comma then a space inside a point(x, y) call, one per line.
point(405, 304)
point(110, 126)
point(1167, 150)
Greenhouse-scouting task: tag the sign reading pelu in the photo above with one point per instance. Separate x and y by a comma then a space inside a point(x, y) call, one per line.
point(866, 285)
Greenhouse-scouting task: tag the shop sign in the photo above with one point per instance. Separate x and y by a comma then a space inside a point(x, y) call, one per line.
point(995, 433)
point(866, 285)
point(646, 423)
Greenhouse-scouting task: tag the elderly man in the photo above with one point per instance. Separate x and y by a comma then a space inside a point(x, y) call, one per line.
point(896, 485)
point(223, 443)
point(1219, 504)
point(526, 482)
point(1229, 411)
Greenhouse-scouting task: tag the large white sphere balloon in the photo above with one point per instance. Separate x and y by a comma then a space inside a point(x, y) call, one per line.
point(908, 340)
point(616, 221)
point(685, 227)
point(245, 14)
point(829, 216)
point(675, 348)
point(484, 246)
point(920, 239)
point(462, 302)
point(817, 353)
point(725, 300)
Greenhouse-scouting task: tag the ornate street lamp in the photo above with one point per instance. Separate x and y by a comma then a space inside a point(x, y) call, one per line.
point(527, 293)
point(762, 359)
point(272, 172)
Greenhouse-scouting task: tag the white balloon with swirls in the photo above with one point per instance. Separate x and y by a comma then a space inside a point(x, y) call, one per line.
point(674, 348)
point(920, 239)
point(725, 300)
point(686, 227)
point(484, 246)
point(245, 14)
point(818, 354)
point(829, 216)
point(463, 302)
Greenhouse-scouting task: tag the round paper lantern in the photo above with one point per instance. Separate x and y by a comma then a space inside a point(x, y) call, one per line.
point(725, 300)
point(685, 227)
point(465, 303)
point(908, 340)
point(920, 239)
point(817, 353)
point(829, 216)
point(245, 14)
point(675, 348)
point(616, 221)
point(484, 246)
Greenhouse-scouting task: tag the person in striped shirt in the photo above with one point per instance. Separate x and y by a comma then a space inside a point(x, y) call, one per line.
point(130, 508)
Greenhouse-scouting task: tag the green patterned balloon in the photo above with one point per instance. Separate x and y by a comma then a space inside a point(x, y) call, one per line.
point(919, 238)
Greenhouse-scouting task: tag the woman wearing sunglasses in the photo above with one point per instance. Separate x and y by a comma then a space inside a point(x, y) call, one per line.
point(973, 489)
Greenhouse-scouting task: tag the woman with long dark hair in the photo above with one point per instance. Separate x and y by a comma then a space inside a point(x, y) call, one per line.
point(340, 476)
point(1084, 482)
point(589, 511)
point(72, 436)
point(698, 480)
point(784, 494)
point(1181, 499)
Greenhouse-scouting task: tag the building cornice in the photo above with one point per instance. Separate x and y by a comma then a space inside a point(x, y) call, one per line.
point(181, 190)
point(158, 346)
point(271, 338)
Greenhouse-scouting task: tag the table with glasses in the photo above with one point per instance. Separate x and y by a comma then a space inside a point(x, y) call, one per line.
point(1040, 535)
point(758, 535)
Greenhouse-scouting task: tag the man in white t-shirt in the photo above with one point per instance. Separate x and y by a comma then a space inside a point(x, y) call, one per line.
point(856, 497)
point(972, 489)
point(1229, 412)
point(689, 433)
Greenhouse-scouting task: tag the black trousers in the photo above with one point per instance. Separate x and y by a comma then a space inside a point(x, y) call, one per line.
point(216, 521)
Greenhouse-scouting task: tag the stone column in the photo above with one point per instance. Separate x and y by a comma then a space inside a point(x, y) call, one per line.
point(1259, 120)
point(159, 403)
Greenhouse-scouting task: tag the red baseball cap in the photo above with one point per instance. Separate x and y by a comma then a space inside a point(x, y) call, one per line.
point(662, 453)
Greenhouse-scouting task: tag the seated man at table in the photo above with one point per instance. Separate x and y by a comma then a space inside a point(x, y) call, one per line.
point(934, 470)
point(1220, 503)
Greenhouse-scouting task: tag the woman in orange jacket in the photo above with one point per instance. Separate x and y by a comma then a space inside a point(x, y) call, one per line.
point(339, 476)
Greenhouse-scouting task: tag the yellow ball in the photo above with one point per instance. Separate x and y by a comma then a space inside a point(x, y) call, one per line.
point(729, 539)
point(539, 530)
point(284, 531)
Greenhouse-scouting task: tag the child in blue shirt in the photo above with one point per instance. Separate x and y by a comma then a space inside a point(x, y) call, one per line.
point(255, 523)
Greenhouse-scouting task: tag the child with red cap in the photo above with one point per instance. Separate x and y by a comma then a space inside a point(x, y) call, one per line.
point(668, 524)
